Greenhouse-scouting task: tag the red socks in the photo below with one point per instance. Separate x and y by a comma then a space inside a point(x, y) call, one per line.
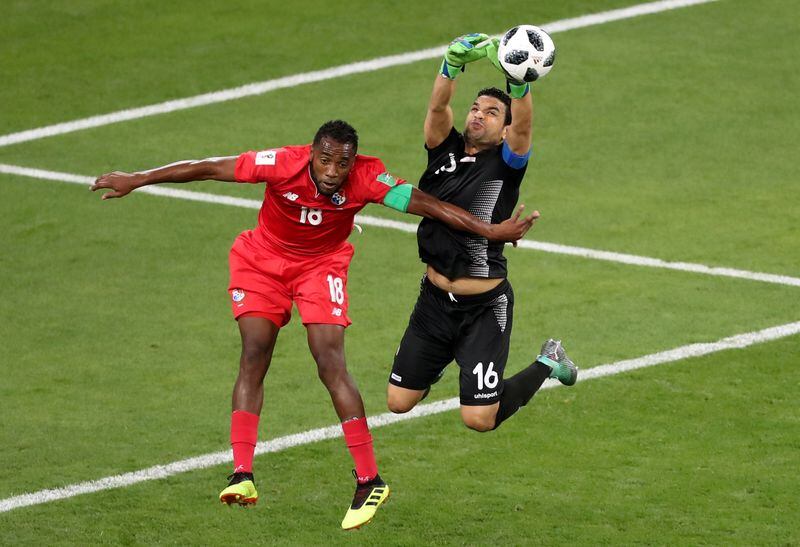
point(359, 442)
point(244, 435)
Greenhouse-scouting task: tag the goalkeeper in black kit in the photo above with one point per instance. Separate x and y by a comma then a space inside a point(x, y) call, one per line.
point(465, 307)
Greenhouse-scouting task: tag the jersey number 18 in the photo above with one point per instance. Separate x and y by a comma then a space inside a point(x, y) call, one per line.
point(310, 216)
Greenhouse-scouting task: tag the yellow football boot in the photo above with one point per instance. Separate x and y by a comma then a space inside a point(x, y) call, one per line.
point(241, 489)
point(368, 497)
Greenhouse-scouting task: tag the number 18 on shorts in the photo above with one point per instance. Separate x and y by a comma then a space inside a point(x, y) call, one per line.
point(267, 284)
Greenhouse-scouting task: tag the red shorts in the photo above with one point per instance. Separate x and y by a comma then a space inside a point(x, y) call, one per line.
point(265, 283)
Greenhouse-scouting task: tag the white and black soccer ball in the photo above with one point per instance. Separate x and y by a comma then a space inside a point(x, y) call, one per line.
point(526, 53)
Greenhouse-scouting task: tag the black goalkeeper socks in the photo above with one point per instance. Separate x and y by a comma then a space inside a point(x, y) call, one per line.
point(519, 389)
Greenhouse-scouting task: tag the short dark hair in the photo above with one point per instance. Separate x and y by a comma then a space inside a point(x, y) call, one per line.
point(501, 96)
point(339, 131)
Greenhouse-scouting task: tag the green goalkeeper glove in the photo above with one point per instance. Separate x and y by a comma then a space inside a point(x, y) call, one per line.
point(464, 49)
point(516, 89)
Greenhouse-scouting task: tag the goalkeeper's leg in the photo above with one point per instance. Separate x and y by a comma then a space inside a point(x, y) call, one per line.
point(552, 362)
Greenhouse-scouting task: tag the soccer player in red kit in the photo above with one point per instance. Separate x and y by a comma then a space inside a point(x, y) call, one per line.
point(299, 254)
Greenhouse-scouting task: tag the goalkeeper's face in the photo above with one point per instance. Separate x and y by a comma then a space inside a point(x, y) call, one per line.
point(331, 163)
point(486, 122)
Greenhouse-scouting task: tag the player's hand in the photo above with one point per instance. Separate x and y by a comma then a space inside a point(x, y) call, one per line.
point(464, 49)
point(515, 88)
point(121, 184)
point(514, 228)
point(491, 54)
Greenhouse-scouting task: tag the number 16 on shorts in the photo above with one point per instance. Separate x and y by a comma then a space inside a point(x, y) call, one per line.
point(487, 378)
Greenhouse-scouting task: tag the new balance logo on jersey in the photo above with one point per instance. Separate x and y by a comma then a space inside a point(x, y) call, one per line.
point(291, 196)
point(449, 168)
point(266, 157)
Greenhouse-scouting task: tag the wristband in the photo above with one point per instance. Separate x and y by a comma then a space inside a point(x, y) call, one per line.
point(517, 90)
point(450, 71)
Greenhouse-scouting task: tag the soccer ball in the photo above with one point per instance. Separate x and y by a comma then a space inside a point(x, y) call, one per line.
point(526, 53)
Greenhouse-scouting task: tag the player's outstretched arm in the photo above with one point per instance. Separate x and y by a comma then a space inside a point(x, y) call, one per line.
point(520, 132)
point(461, 51)
point(512, 229)
point(122, 184)
point(439, 119)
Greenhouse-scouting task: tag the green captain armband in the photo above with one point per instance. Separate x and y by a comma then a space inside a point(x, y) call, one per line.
point(399, 197)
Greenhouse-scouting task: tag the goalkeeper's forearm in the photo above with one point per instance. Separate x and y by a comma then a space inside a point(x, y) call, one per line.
point(442, 94)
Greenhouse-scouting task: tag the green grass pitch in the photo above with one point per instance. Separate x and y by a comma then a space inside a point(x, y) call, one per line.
point(671, 135)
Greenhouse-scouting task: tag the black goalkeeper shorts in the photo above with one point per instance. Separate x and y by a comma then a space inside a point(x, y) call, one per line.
point(474, 330)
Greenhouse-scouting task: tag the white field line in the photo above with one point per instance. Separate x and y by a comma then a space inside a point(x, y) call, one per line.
point(583, 252)
point(298, 439)
point(259, 88)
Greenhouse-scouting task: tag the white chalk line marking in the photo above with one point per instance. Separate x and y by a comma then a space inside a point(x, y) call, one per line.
point(409, 227)
point(259, 88)
point(315, 435)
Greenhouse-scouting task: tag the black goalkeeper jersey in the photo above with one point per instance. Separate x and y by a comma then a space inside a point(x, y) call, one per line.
point(483, 184)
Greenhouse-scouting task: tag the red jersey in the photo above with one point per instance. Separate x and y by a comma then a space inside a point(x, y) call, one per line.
point(295, 217)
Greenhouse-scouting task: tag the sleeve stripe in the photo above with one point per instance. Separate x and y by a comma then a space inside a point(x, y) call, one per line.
point(515, 161)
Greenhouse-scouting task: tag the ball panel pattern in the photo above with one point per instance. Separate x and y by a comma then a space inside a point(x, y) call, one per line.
point(510, 34)
point(535, 39)
point(516, 57)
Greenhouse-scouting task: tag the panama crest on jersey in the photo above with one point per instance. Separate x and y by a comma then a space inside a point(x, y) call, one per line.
point(338, 198)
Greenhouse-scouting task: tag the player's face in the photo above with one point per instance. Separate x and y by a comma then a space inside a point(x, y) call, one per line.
point(331, 162)
point(486, 121)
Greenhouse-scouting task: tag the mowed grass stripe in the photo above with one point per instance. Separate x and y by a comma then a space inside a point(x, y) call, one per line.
point(556, 248)
point(259, 88)
point(315, 435)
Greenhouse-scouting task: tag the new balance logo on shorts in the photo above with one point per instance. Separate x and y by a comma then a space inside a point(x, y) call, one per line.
point(397, 377)
point(337, 312)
